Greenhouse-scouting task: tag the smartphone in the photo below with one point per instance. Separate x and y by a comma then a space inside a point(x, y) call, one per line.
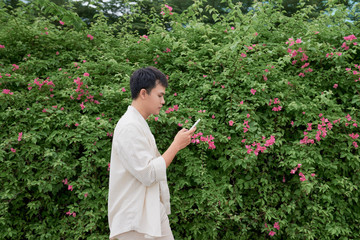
point(195, 123)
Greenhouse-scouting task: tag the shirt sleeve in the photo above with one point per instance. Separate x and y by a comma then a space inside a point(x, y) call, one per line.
point(136, 155)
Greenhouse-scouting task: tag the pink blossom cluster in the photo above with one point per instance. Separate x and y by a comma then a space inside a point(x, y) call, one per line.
point(65, 181)
point(171, 109)
point(20, 136)
point(322, 131)
point(250, 47)
point(89, 97)
point(355, 72)
point(354, 136)
point(41, 84)
point(302, 176)
point(90, 36)
point(246, 124)
point(276, 226)
point(293, 171)
point(168, 7)
point(155, 59)
point(275, 101)
point(332, 54)
point(260, 148)
point(61, 22)
point(167, 50)
point(349, 38)
point(304, 58)
point(16, 67)
point(7, 91)
point(71, 214)
point(207, 139)
point(292, 42)
point(143, 37)
point(2, 46)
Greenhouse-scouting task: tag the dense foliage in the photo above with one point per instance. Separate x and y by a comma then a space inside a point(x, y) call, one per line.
point(275, 156)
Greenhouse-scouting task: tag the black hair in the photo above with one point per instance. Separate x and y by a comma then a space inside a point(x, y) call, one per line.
point(146, 78)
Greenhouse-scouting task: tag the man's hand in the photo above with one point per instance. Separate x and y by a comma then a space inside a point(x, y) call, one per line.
point(183, 138)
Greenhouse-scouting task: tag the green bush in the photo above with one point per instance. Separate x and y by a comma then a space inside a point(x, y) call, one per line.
point(64, 88)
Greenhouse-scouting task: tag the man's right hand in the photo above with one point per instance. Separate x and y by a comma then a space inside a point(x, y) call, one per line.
point(183, 138)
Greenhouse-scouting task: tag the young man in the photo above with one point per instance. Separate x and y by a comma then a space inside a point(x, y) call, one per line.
point(139, 199)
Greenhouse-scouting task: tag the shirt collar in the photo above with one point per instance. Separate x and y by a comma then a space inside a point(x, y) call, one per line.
point(138, 115)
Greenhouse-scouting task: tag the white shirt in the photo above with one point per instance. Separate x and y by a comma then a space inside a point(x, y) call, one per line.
point(137, 180)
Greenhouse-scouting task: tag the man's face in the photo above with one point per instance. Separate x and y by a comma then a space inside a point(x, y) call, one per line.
point(155, 100)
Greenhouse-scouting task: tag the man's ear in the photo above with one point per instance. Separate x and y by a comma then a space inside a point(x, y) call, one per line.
point(142, 93)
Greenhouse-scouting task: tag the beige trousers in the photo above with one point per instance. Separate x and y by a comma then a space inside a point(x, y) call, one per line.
point(165, 230)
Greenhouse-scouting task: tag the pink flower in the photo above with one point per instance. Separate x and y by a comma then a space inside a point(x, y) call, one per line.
point(204, 76)
point(232, 28)
point(253, 91)
point(86, 74)
point(57, 53)
point(98, 118)
point(91, 37)
point(16, 67)
point(335, 85)
point(13, 150)
point(20, 136)
point(247, 115)
point(243, 55)
point(74, 214)
point(76, 124)
point(213, 116)
point(231, 122)
point(168, 7)
point(65, 181)
point(7, 91)
point(2, 46)
point(245, 130)
point(61, 22)
point(86, 194)
point(123, 89)
point(70, 187)
point(229, 138)
point(272, 233)
point(241, 102)
point(82, 105)
point(276, 225)
point(301, 74)
point(313, 174)
point(350, 37)
point(355, 144)
point(298, 40)
point(156, 118)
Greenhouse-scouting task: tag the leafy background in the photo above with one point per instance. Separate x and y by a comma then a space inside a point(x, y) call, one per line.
point(64, 87)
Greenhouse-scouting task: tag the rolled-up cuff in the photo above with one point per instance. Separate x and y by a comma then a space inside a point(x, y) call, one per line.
point(160, 168)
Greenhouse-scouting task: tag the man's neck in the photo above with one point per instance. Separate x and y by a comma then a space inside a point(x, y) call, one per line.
point(139, 108)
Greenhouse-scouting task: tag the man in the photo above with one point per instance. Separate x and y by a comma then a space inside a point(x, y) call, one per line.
point(139, 199)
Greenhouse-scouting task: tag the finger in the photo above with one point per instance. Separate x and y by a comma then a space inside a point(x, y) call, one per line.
point(192, 130)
